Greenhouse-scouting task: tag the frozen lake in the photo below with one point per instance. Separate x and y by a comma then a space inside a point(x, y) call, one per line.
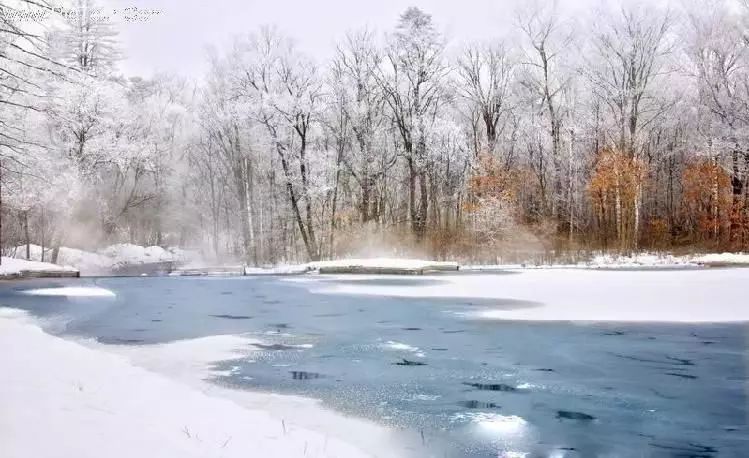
point(433, 367)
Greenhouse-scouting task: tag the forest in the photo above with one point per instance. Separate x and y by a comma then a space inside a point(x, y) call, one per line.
point(622, 131)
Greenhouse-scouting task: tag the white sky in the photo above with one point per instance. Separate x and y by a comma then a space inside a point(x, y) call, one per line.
point(175, 41)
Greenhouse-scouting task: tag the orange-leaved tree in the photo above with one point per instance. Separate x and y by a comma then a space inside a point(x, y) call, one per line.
point(706, 201)
point(614, 190)
point(491, 208)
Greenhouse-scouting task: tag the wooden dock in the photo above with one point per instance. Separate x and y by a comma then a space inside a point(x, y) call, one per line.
point(371, 270)
point(723, 264)
point(208, 271)
point(390, 270)
point(41, 274)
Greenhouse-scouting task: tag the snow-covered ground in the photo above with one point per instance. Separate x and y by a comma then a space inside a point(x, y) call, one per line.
point(681, 295)
point(65, 399)
point(668, 260)
point(12, 266)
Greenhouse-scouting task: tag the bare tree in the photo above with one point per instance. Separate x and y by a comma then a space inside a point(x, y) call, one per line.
point(412, 81)
point(548, 37)
point(485, 77)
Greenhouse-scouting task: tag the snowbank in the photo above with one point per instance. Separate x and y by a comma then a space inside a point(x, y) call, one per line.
point(85, 261)
point(640, 260)
point(11, 267)
point(108, 259)
point(63, 399)
point(602, 261)
point(126, 253)
point(724, 259)
point(683, 295)
point(634, 261)
point(670, 260)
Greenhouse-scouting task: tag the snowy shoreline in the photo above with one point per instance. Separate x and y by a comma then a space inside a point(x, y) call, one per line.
point(82, 398)
point(127, 259)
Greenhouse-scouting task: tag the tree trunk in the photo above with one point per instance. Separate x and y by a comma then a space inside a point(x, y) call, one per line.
point(636, 229)
point(308, 241)
point(1, 211)
point(618, 211)
point(248, 204)
point(26, 234)
point(334, 204)
point(716, 197)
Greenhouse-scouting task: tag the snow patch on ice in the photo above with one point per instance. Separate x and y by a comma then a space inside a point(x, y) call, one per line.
point(399, 346)
point(683, 295)
point(191, 358)
point(422, 397)
point(71, 291)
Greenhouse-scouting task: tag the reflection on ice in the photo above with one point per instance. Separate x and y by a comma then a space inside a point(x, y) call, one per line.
point(508, 434)
point(493, 423)
point(506, 425)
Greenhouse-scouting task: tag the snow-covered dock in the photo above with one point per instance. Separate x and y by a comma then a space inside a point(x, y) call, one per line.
point(208, 271)
point(383, 266)
point(11, 268)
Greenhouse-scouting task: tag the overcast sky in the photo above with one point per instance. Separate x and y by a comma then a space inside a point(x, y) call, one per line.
point(175, 40)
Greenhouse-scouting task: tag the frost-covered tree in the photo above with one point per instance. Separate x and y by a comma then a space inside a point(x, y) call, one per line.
point(88, 41)
point(485, 77)
point(545, 77)
point(357, 105)
point(412, 79)
point(285, 89)
point(633, 135)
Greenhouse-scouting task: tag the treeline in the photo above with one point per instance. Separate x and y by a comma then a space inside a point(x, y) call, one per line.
point(625, 130)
